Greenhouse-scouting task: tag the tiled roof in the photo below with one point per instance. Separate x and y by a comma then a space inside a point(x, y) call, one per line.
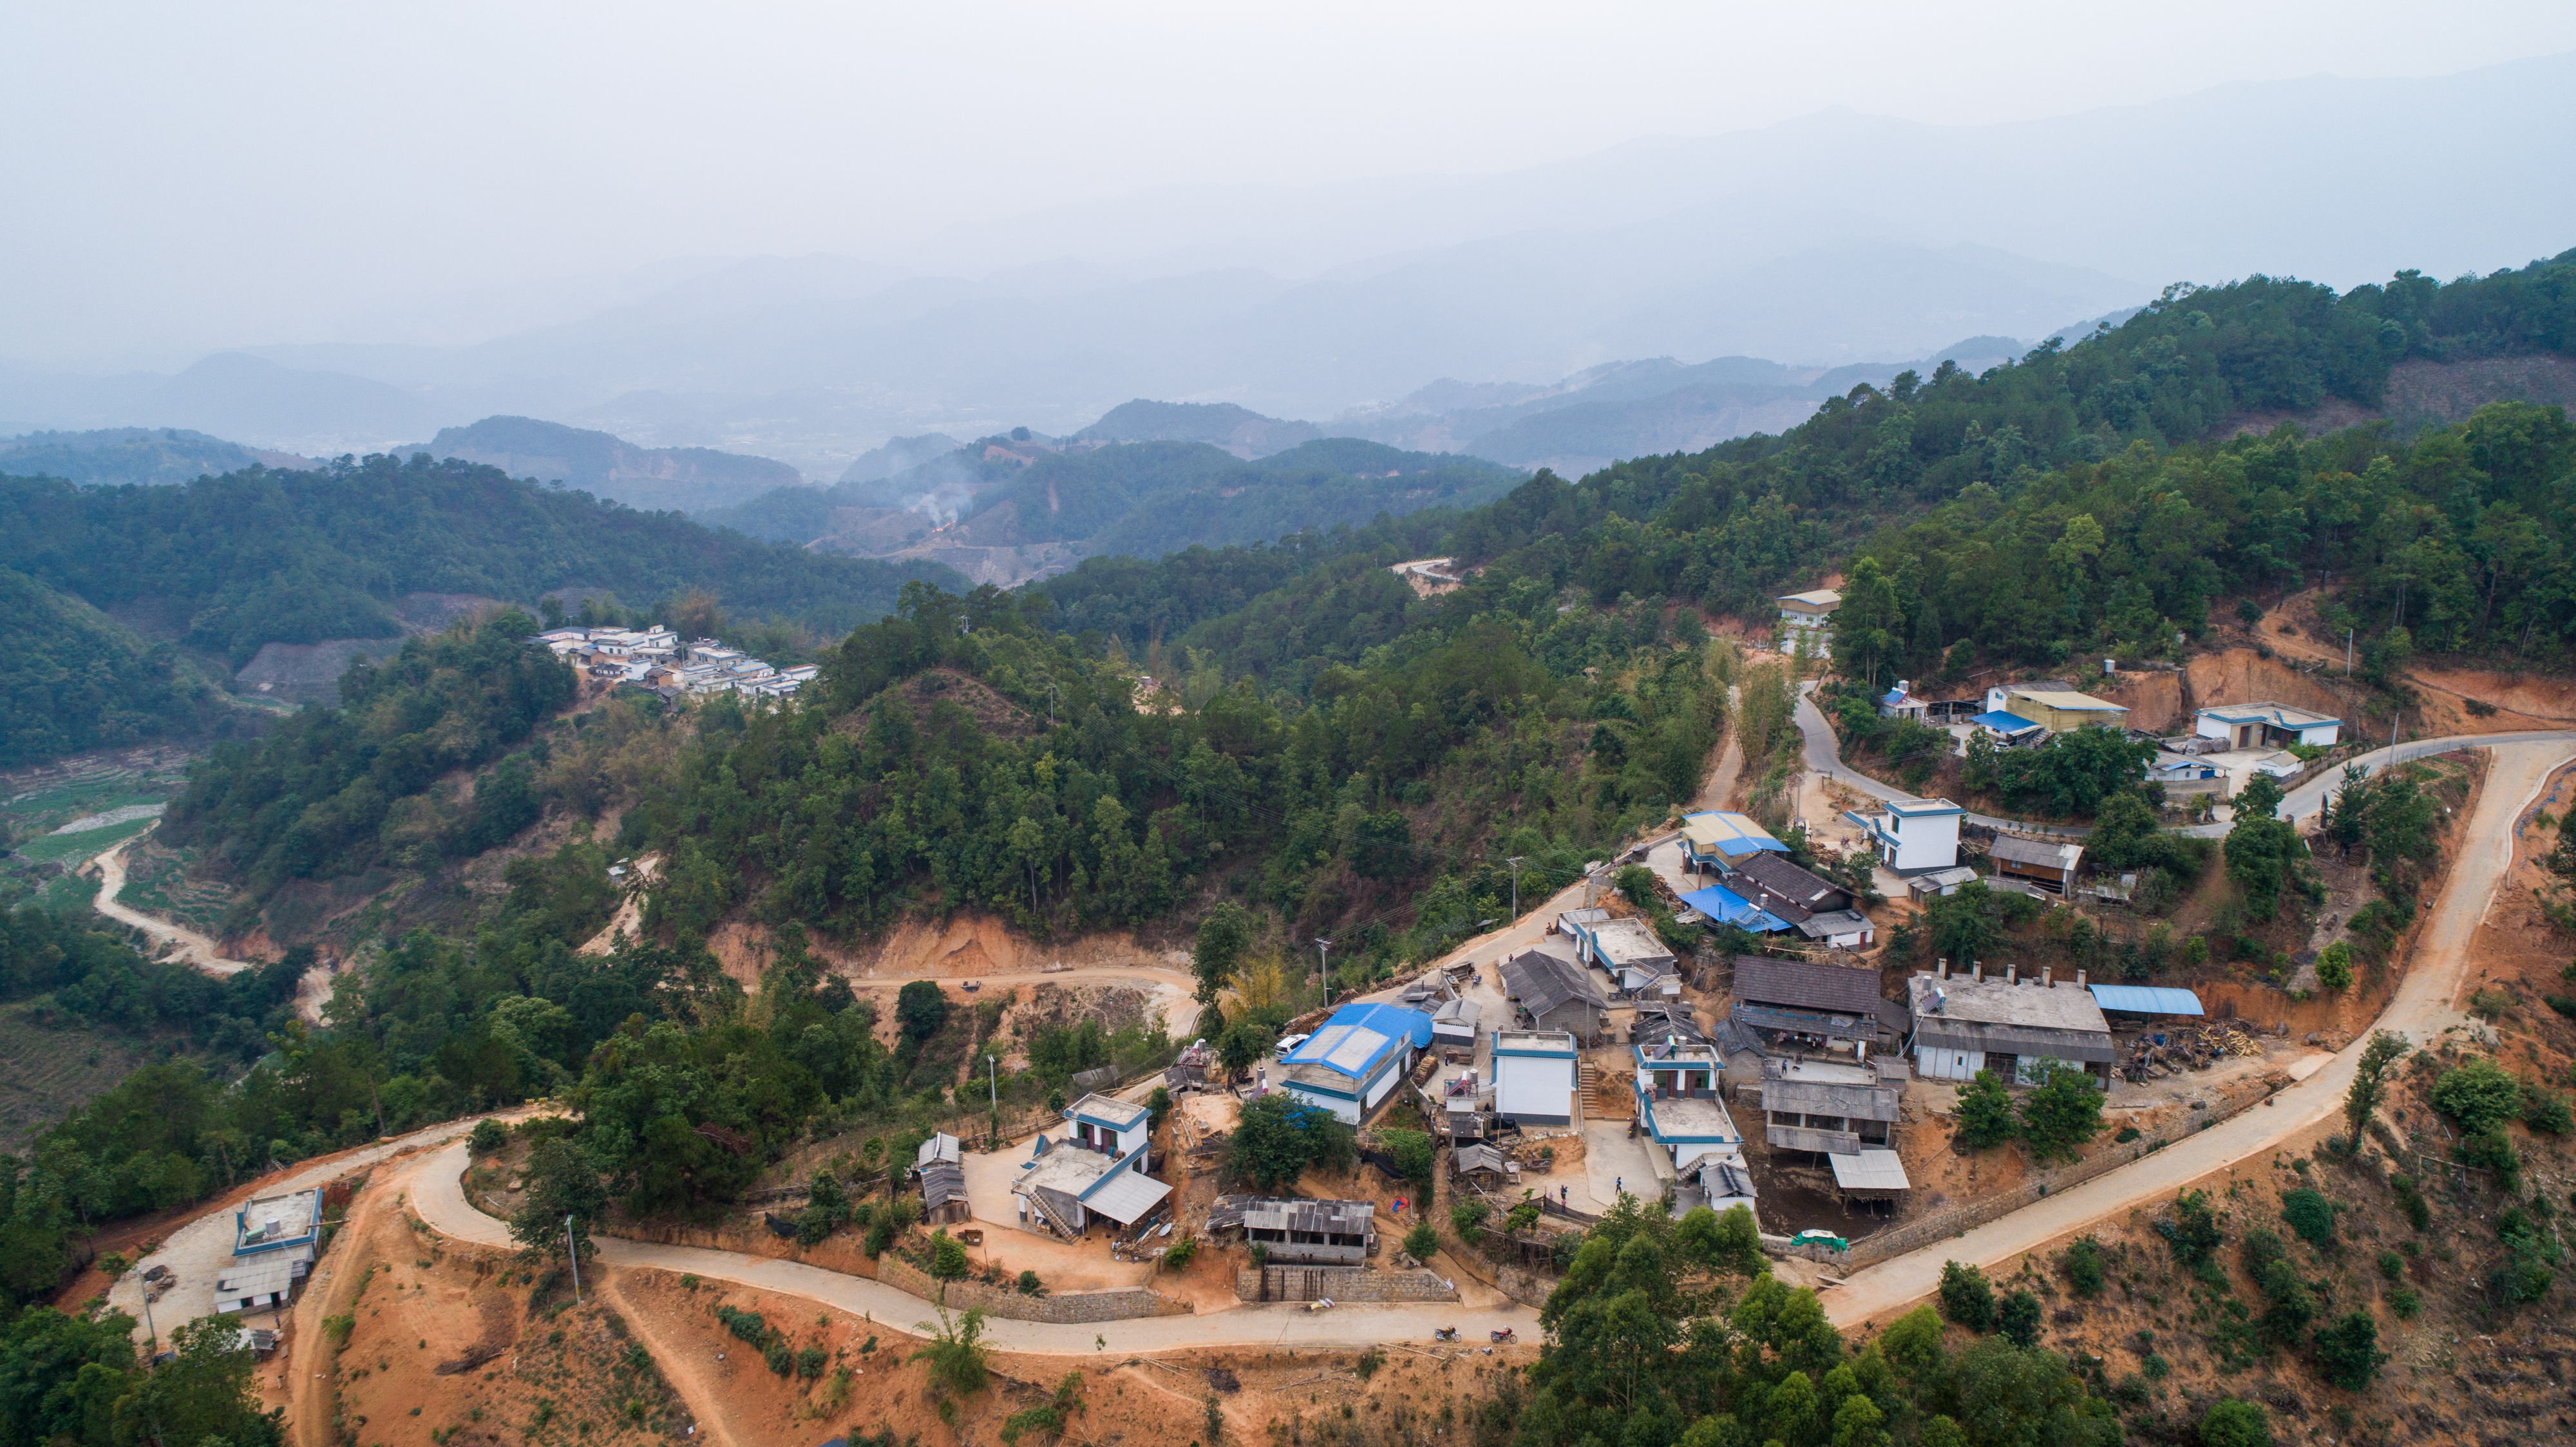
point(1807, 985)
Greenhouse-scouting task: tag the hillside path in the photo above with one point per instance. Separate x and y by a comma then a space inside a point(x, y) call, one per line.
point(437, 1192)
point(196, 950)
point(2425, 1006)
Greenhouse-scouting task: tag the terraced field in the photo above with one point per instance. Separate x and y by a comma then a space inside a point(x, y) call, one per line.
point(156, 881)
point(36, 802)
point(47, 1072)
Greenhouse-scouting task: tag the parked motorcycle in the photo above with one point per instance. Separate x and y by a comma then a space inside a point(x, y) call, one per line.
point(1503, 1336)
point(1446, 1333)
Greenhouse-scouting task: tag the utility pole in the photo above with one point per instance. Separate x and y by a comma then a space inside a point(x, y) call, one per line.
point(1515, 863)
point(147, 1316)
point(2347, 653)
point(1324, 966)
point(573, 1248)
point(993, 1085)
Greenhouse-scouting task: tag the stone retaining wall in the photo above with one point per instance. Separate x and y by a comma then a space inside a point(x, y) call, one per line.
point(1072, 1307)
point(1340, 1283)
point(1914, 1235)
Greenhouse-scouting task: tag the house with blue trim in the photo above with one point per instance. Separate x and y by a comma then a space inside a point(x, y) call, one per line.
point(1110, 1125)
point(1536, 1076)
point(1716, 840)
point(1627, 950)
point(278, 1223)
point(1354, 1060)
point(1679, 1103)
point(2266, 725)
point(1913, 834)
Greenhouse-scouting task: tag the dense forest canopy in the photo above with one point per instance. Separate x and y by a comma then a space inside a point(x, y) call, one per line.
point(266, 556)
point(77, 679)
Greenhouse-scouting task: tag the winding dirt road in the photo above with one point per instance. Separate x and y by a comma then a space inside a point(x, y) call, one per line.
point(2426, 1005)
point(195, 950)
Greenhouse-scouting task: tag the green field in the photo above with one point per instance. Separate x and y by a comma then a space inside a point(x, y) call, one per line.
point(87, 844)
point(47, 1072)
point(36, 802)
point(156, 882)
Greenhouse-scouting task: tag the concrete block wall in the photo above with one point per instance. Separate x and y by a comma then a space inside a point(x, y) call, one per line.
point(1070, 1308)
point(1339, 1283)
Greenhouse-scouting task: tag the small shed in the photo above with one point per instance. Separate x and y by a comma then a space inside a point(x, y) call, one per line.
point(2048, 863)
point(940, 1147)
point(1871, 1174)
point(1454, 1023)
point(1771, 881)
point(1479, 1160)
point(1845, 929)
point(1555, 993)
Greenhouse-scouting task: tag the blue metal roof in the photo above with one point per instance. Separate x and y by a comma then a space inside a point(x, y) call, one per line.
point(2146, 1000)
point(2003, 722)
point(1894, 697)
point(1727, 907)
point(1729, 833)
point(1359, 1036)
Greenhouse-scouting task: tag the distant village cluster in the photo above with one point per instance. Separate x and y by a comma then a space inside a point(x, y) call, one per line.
point(654, 658)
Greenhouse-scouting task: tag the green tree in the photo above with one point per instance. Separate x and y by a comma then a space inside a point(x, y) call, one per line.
point(956, 1352)
point(2235, 1422)
point(2348, 1353)
point(1413, 1152)
point(2017, 1319)
point(2477, 1094)
point(1868, 624)
point(1966, 1298)
point(2370, 1081)
point(2195, 1236)
point(2084, 1268)
point(1279, 1136)
point(2334, 966)
point(2061, 1113)
point(2263, 852)
point(2310, 1214)
point(948, 1256)
point(563, 1186)
point(1423, 1241)
point(1985, 1111)
point(920, 1008)
point(1223, 938)
point(202, 1395)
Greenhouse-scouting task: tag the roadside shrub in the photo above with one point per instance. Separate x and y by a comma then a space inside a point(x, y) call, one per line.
point(488, 1135)
point(1985, 1112)
point(810, 1362)
point(880, 1235)
point(2492, 1150)
point(750, 1326)
point(2310, 1214)
point(1029, 1284)
point(2084, 1268)
point(2235, 1423)
point(2017, 1319)
point(1467, 1218)
point(1178, 1254)
point(2257, 1253)
point(947, 1256)
point(2391, 1265)
point(2193, 1233)
point(1966, 1298)
point(2406, 1302)
point(1421, 1241)
point(2478, 1095)
point(2334, 966)
point(2546, 1110)
point(780, 1357)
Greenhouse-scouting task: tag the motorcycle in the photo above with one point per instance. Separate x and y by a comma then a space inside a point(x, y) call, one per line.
point(1504, 1335)
point(1446, 1333)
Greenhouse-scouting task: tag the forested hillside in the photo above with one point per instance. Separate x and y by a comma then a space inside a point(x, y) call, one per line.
point(261, 556)
point(77, 679)
point(130, 455)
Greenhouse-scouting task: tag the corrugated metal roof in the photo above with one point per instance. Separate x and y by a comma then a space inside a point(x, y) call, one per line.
point(1541, 982)
point(1787, 880)
point(1871, 1170)
point(1730, 833)
point(1358, 1036)
point(1125, 1196)
point(1948, 1034)
point(2036, 851)
point(1727, 907)
point(942, 1182)
point(2146, 999)
point(2003, 721)
point(1807, 985)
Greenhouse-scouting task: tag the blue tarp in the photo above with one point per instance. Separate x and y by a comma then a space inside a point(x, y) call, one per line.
point(1727, 907)
point(2146, 999)
point(2003, 723)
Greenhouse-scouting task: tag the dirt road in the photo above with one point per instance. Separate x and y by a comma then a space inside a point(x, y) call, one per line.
point(2425, 1006)
point(195, 950)
point(1175, 991)
point(436, 1190)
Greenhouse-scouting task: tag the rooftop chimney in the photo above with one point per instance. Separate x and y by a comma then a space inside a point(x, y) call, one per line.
point(1945, 969)
point(2012, 974)
point(2079, 979)
point(2045, 971)
point(1977, 973)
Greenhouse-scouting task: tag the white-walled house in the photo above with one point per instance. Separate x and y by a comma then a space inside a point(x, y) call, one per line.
point(2266, 725)
point(1108, 1124)
point(1535, 1076)
point(1914, 834)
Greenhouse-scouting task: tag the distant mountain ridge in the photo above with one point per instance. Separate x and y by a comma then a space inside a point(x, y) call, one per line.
point(1239, 430)
point(136, 455)
point(654, 479)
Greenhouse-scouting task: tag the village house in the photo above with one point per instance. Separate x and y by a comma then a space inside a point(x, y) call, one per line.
point(1292, 1229)
point(1063, 1186)
point(2048, 863)
point(2265, 725)
point(1831, 1106)
point(275, 1239)
point(1110, 1125)
point(1903, 702)
point(1935, 883)
point(1812, 999)
point(1536, 1077)
point(1716, 841)
point(1627, 950)
point(1554, 994)
point(1911, 835)
point(1966, 1023)
point(1680, 1110)
point(2054, 706)
point(1809, 616)
point(1355, 1059)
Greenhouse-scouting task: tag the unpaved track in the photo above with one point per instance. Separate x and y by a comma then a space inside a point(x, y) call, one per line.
point(679, 1365)
point(2425, 1006)
point(198, 952)
point(437, 1192)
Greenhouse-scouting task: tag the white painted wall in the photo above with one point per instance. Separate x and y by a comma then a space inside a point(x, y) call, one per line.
point(1533, 1085)
point(1936, 1064)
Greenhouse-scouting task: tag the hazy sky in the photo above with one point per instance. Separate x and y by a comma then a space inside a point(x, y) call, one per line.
point(187, 176)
